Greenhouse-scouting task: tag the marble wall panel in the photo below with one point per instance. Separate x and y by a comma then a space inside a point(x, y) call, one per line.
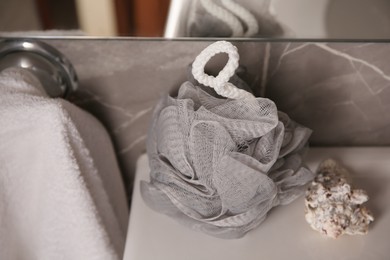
point(340, 90)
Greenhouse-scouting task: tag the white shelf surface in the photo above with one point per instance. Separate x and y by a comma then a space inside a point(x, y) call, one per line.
point(284, 234)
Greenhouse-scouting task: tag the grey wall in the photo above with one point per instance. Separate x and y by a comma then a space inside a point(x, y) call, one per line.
point(340, 90)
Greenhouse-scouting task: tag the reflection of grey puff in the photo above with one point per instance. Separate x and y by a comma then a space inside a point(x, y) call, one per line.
point(219, 165)
point(202, 23)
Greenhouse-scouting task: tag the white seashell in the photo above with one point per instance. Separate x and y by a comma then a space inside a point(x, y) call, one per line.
point(332, 206)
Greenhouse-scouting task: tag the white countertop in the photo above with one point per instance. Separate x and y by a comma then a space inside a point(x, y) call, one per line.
point(284, 234)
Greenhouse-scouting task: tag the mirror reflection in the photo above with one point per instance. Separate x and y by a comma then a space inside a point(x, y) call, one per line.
point(335, 19)
point(104, 18)
point(363, 19)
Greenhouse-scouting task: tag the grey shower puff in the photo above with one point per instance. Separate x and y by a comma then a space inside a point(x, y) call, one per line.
point(219, 165)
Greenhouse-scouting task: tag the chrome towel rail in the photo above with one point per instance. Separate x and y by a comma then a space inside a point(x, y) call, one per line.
point(51, 67)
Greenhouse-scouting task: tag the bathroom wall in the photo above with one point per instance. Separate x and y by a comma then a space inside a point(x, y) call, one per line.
point(97, 17)
point(340, 90)
point(19, 15)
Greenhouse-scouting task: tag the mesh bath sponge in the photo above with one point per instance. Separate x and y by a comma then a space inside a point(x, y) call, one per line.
point(218, 165)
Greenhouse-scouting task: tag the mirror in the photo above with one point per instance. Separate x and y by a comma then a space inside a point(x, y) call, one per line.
point(326, 19)
point(336, 19)
point(102, 18)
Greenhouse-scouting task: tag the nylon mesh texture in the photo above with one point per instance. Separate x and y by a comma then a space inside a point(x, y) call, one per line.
point(219, 165)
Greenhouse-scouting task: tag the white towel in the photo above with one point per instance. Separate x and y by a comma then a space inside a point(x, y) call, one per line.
point(61, 194)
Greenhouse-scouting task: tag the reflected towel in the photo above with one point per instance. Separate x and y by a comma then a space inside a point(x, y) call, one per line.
point(61, 194)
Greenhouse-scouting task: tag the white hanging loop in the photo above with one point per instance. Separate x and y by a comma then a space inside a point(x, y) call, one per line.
point(225, 16)
point(220, 83)
point(247, 17)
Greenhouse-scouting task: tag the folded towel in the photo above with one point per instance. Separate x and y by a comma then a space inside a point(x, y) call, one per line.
point(61, 193)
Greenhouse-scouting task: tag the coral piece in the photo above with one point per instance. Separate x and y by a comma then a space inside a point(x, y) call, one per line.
point(332, 207)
